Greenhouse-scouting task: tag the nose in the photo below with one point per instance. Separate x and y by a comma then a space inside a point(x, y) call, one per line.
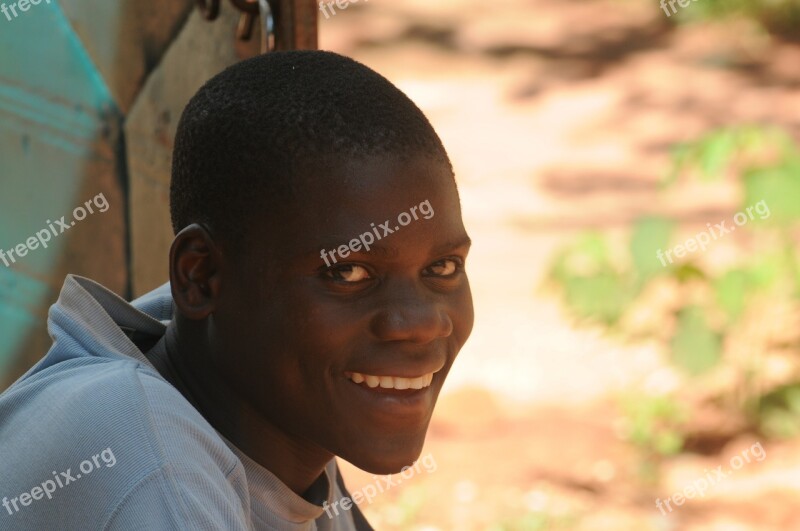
point(411, 313)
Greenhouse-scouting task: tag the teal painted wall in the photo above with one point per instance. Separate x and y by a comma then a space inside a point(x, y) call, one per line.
point(58, 124)
point(84, 89)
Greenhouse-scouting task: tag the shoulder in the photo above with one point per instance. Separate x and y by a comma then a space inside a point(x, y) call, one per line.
point(105, 400)
point(123, 436)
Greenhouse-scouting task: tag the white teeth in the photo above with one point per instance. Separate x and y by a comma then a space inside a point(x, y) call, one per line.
point(391, 382)
point(402, 383)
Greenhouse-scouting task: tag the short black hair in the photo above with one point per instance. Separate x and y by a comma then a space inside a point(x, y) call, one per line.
point(258, 124)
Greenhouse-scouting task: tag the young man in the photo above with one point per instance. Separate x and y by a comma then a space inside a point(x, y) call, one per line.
point(316, 302)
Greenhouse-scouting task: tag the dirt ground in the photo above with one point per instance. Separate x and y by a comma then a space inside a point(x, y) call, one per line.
point(558, 116)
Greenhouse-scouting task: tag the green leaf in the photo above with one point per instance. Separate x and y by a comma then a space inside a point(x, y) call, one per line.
point(669, 443)
point(650, 235)
point(602, 297)
point(586, 256)
point(716, 152)
point(681, 158)
point(593, 289)
point(780, 424)
point(767, 270)
point(731, 290)
point(688, 271)
point(696, 348)
point(773, 193)
point(593, 246)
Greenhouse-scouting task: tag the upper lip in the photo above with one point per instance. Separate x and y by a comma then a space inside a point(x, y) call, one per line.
point(400, 370)
point(400, 361)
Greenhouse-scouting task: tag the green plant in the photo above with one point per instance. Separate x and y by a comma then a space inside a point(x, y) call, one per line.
point(712, 303)
point(777, 16)
point(779, 411)
point(654, 425)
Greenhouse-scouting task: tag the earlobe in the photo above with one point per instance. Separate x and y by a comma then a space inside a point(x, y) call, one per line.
point(194, 264)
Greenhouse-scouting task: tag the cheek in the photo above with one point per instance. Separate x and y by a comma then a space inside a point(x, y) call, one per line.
point(463, 314)
point(259, 345)
point(285, 375)
point(278, 348)
point(304, 340)
point(325, 324)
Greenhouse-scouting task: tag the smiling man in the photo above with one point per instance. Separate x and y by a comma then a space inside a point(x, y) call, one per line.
point(225, 394)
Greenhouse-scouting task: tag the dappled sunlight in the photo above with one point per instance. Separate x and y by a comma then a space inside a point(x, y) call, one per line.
point(561, 118)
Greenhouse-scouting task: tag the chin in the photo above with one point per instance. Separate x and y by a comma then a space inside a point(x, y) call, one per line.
point(386, 467)
point(383, 459)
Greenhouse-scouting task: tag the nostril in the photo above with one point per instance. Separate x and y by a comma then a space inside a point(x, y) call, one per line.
point(418, 322)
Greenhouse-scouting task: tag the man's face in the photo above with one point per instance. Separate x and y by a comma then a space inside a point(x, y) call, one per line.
point(297, 335)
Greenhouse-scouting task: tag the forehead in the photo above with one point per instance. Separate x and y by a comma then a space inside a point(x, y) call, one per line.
point(340, 202)
point(360, 183)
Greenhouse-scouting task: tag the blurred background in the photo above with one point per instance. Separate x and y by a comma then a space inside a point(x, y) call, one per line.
point(587, 136)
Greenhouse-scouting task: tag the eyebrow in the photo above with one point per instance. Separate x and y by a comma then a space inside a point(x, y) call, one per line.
point(453, 244)
point(392, 252)
point(374, 248)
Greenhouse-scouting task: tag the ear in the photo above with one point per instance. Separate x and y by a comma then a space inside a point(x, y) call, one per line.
point(194, 272)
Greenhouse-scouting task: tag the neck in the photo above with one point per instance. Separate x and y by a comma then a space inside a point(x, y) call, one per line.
point(186, 364)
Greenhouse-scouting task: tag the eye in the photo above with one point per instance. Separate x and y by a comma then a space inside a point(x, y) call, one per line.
point(445, 268)
point(350, 273)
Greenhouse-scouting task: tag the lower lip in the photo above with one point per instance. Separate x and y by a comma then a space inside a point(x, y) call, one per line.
point(395, 402)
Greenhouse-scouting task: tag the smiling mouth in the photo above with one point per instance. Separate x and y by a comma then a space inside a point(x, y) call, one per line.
point(391, 382)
